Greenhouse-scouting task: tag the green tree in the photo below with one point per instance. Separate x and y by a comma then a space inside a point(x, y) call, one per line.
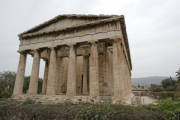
point(26, 84)
point(7, 79)
point(40, 82)
point(169, 84)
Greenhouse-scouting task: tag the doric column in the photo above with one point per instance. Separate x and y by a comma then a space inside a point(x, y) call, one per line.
point(118, 70)
point(33, 85)
point(44, 87)
point(85, 74)
point(60, 69)
point(108, 72)
point(18, 87)
point(52, 78)
point(94, 71)
point(71, 78)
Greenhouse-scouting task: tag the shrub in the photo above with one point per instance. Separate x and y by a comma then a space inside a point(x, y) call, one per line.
point(156, 88)
point(29, 101)
point(169, 84)
point(15, 110)
point(164, 94)
point(94, 112)
point(6, 83)
point(168, 107)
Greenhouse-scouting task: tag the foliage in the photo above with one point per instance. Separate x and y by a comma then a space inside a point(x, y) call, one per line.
point(169, 84)
point(40, 82)
point(28, 111)
point(4, 92)
point(6, 83)
point(94, 112)
point(29, 101)
point(7, 80)
point(178, 86)
point(164, 94)
point(170, 108)
point(156, 88)
point(68, 103)
point(26, 84)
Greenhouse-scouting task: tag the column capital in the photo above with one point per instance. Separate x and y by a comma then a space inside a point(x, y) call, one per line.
point(22, 52)
point(116, 40)
point(36, 50)
point(51, 48)
point(92, 41)
point(71, 44)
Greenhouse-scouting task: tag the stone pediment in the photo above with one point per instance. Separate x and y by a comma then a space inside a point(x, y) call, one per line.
point(65, 21)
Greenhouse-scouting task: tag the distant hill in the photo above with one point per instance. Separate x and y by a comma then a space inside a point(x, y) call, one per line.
point(148, 80)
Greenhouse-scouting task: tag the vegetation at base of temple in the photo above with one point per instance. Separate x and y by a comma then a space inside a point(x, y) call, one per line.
point(7, 80)
point(166, 109)
point(68, 111)
point(170, 108)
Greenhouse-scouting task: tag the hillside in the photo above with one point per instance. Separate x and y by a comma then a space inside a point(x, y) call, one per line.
point(148, 80)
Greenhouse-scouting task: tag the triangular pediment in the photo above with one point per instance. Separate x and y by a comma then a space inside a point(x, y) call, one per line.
point(65, 21)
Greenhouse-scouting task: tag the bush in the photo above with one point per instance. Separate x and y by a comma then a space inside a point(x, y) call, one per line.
point(29, 101)
point(169, 84)
point(6, 83)
point(156, 88)
point(12, 110)
point(168, 107)
point(178, 86)
point(94, 112)
point(164, 94)
point(4, 92)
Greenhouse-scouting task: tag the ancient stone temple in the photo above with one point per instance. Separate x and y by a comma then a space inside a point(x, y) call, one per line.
point(87, 59)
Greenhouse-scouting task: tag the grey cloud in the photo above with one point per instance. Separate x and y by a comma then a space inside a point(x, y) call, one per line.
point(152, 26)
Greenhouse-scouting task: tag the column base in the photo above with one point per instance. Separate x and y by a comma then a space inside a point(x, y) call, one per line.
point(126, 100)
point(55, 99)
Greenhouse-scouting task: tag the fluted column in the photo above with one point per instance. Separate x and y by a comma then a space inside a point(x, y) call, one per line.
point(44, 87)
point(33, 85)
point(94, 71)
point(85, 74)
point(118, 70)
point(18, 87)
point(71, 78)
point(52, 78)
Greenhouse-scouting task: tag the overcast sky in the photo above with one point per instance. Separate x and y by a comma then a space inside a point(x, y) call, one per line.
point(153, 28)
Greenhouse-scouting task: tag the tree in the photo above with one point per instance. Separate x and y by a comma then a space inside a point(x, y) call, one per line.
point(26, 84)
point(7, 79)
point(178, 75)
point(169, 84)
